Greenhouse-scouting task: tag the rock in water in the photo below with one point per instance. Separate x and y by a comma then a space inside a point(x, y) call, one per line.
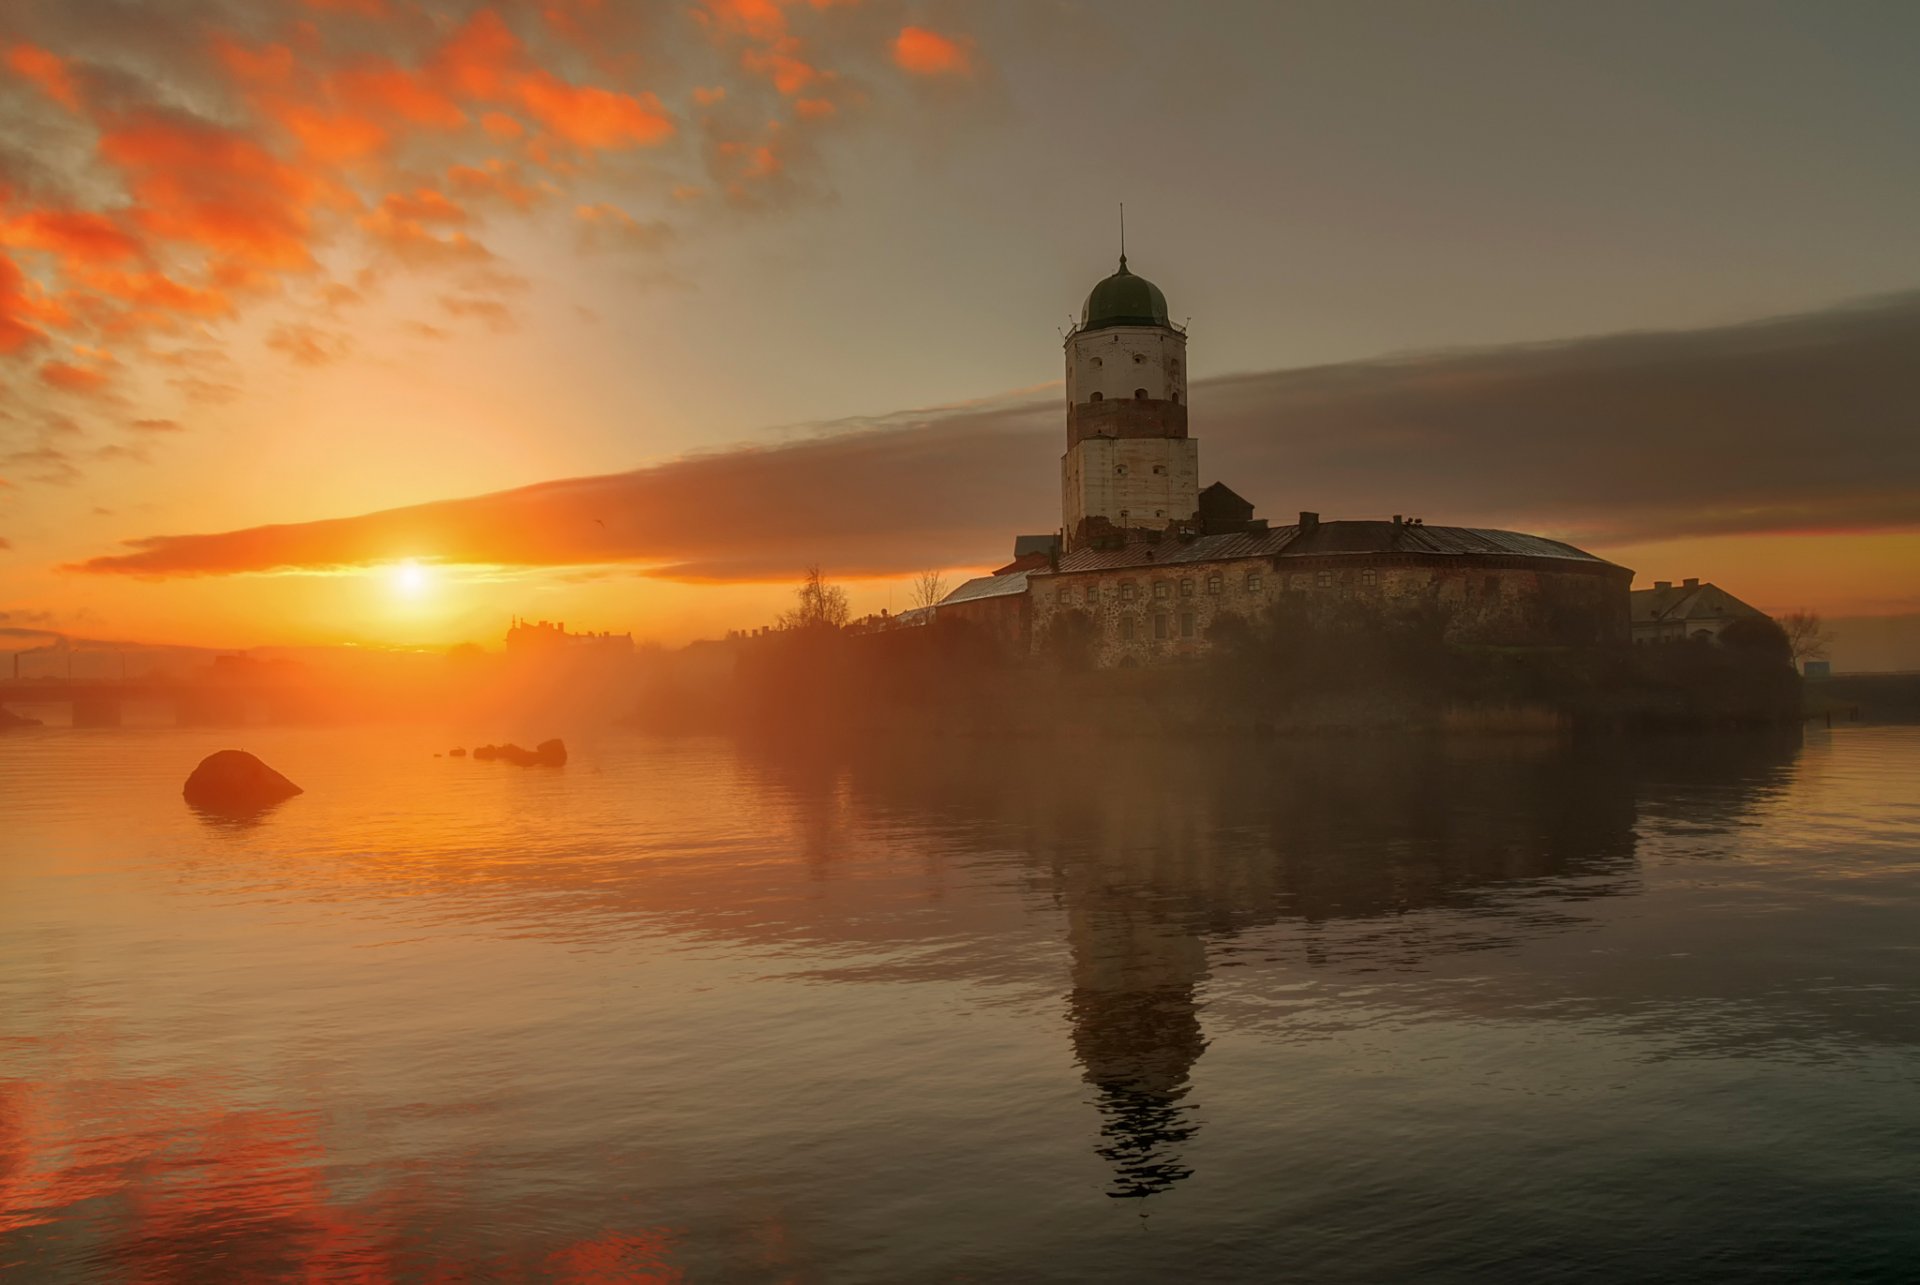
point(456, 753)
point(546, 754)
point(235, 779)
point(10, 719)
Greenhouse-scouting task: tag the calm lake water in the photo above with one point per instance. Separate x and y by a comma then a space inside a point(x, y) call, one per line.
point(1343, 1010)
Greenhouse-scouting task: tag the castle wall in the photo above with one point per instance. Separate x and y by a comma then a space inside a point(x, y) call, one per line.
point(1488, 599)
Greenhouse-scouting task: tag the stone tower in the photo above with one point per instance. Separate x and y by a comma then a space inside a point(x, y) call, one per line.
point(1130, 465)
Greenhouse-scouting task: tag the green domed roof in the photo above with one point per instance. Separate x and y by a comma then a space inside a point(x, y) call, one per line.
point(1124, 300)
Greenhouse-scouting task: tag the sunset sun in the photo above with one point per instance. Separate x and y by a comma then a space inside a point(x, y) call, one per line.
point(410, 579)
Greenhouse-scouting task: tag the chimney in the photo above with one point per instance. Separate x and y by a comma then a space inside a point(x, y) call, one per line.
point(1396, 519)
point(1663, 584)
point(1693, 583)
point(1308, 521)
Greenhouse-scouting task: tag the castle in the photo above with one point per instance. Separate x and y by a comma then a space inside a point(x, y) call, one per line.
point(1146, 562)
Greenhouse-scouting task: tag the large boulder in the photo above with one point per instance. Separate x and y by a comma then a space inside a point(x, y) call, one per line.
point(10, 719)
point(546, 754)
point(234, 780)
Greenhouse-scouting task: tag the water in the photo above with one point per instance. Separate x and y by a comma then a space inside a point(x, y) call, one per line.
point(1333, 1011)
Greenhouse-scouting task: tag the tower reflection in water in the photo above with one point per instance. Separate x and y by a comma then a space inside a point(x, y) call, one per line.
point(1155, 858)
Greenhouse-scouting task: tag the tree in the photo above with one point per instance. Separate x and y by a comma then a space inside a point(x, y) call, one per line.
point(1806, 635)
point(929, 587)
point(821, 605)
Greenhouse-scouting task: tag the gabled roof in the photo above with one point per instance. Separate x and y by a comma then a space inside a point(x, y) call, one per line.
point(1014, 582)
point(1687, 603)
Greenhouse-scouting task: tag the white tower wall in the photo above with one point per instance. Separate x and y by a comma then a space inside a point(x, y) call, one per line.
point(1119, 361)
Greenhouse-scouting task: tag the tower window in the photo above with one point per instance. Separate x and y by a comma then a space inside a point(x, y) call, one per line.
point(1186, 624)
point(1139, 394)
point(1119, 470)
point(1160, 469)
point(1160, 589)
point(1322, 579)
point(1126, 629)
point(1159, 626)
point(1369, 577)
point(1096, 398)
point(1096, 361)
point(1139, 359)
point(1186, 588)
point(1213, 583)
point(1253, 582)
point(1175, 399)
point(1126, 591)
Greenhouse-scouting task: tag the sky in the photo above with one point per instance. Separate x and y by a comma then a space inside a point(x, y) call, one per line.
point(382, 321)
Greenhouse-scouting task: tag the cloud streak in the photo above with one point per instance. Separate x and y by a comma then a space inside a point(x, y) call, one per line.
point(1802, 423)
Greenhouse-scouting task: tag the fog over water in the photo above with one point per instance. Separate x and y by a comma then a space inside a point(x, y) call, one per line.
point(1343, 1009)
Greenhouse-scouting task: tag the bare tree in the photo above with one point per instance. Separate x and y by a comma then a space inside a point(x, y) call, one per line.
point(821, 605)
point(1806, 635)
point(929, 587)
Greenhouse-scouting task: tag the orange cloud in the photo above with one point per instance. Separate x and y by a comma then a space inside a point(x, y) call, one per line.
point(217, 188)
point(48, 71)
point(928, 53)
point(425, 205)
point(481, 59)
point(502, 126)
point(15, 331)
point(385, 89)
point(588, 116)
point(308, 345)
point(79, 237)
point(497, 179)
point(69, 378)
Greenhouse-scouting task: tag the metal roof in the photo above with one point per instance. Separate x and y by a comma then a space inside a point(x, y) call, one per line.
point(1165, 553)
point(1014, 582)
point(1124, 299)
point(1325, 539)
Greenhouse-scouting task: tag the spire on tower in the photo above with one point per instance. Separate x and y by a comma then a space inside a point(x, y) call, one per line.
point(1123, 236)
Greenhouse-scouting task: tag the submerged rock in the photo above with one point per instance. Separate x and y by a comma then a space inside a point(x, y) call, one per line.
point(547, 753)
point(235, 780)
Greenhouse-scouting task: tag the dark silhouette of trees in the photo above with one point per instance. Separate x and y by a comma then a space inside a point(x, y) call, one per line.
point(1807, 636)
point(820, 606)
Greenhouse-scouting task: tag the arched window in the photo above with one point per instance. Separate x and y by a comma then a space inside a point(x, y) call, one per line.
point(1096, 397)
point(1139, 394)
point(1176, 399)
point(1096, 361)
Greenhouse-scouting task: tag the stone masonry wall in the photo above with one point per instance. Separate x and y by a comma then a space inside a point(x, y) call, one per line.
point(1151, 615)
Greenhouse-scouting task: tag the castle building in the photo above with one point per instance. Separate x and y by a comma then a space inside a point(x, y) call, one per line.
point(1146, 562)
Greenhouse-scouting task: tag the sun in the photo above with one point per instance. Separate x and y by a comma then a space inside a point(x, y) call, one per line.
point(410, 579)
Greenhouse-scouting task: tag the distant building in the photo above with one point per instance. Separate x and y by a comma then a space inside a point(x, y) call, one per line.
point(1151, 561)
point(550, 640)
point(1666, 613)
